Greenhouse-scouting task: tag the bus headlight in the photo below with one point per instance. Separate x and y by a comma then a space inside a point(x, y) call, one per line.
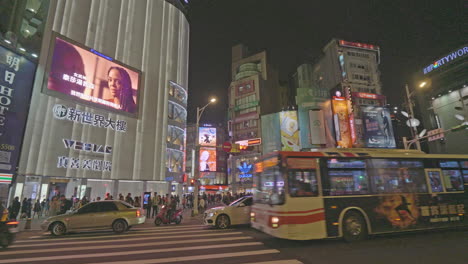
point(252, 216)
point(274, 221)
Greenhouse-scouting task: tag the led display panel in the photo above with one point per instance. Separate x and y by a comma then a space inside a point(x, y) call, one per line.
point(207, 136)
point(87, 76)
point(207, 159)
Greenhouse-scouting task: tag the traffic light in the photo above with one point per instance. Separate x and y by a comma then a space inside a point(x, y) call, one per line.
point(192, 182)
point(245, 148)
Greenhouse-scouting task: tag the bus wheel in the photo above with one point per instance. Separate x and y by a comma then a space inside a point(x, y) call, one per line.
point(354, 227)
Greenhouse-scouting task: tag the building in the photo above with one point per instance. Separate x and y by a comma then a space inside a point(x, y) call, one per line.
point(94, 130)
point(254, 80)
point(349, 72)
point(441, 88)
point(212, 159)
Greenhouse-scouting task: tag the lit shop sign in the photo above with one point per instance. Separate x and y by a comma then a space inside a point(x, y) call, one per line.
point(271, 184)
point(86, 75)
point(358, 45)
point(245, 169)
point(87, 147)
point(459, 53)
point(16, 78)
point(85, 164)
point(250, 142)
point(368, 96)
point(77, 116)
point(341, 120)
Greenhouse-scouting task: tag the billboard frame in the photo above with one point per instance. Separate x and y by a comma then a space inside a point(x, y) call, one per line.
point(45, 90)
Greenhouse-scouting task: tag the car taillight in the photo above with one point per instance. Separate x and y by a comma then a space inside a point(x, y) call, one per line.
point(13, 223)
point(138, 213)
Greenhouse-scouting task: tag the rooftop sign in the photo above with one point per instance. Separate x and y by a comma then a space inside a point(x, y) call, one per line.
point(450, 57)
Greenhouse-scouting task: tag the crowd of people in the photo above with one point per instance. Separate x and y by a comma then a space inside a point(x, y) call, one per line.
point(30, 208)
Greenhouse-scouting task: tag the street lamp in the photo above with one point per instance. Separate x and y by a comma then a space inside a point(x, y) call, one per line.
point(196, 173)
point(414, 130)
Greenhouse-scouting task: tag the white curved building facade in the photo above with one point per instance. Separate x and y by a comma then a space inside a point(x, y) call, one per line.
point(151, 36)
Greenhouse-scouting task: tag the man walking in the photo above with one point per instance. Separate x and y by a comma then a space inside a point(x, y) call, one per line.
point(155, 200)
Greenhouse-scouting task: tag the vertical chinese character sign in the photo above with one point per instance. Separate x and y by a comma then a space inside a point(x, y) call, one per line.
point(16, 79)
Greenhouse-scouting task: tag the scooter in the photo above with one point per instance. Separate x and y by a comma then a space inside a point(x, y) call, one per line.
point(162, 219)
point(8, 232)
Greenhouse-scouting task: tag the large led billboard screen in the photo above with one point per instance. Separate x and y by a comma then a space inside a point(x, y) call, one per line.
point(207, 136)
point(207, 159)
point(93, 78)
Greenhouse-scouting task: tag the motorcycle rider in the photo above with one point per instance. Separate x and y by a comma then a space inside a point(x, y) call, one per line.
point(172, 206)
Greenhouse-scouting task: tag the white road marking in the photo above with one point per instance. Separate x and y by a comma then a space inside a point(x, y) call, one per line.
point(284, 261)
point(48, 250)
point(119, 240)
point(199, 257)
point(120, 235)
point(126, 253)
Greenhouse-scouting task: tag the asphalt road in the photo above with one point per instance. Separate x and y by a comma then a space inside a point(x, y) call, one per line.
point(191, 242)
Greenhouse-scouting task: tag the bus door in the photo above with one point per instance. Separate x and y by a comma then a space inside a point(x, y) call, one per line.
point(305, 211)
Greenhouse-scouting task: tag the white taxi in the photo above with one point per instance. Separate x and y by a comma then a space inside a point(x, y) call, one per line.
point(236, 213)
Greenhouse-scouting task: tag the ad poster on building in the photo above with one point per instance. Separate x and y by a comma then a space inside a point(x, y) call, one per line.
point(207, 136)
point(207, 159)
point(378, 130)
point(16, 78)
point(85, 74)
point(289, 131)
point(271, 137)
point(341, 119)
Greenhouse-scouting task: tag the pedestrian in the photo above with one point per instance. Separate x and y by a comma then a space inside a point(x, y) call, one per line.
point(15, 208)
point(148, 208)
point(65, 204)
point(155, 203)
point(121, 197)
point(129, 199)
point(54, 206)
point(201, 204)
point(136, 202)
point(37, 209)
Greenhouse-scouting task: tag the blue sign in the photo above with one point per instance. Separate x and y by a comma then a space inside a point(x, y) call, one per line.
point(16, 80)
point(245, 170)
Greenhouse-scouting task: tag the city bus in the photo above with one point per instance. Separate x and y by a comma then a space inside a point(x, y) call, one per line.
point(352, 193)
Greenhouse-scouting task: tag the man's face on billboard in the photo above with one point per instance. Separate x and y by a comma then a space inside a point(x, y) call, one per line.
point(115, 82)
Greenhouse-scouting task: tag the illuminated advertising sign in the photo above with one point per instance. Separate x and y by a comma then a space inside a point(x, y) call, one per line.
point(289, 131)
point(358, 45)
point(450, 57)
point(207, 159)
point(82, 73)
point(207, 136)
point(340, 115)
point(378, 130)
point(245, 170)
point(16, 79)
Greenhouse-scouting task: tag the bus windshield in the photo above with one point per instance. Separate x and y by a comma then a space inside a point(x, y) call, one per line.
point(270, 187)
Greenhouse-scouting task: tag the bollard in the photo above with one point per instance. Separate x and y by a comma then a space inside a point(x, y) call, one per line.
point(28, 224)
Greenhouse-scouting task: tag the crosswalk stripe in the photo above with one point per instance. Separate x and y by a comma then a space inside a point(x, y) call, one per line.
point(122, 235)
point(49, 250)
point(119, 240)
point(284, 261)
point(199, 257)
point(154, 229)
point(126, 253)
point(145, 233)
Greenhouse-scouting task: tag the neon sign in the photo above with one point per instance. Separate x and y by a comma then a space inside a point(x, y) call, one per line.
point(459, 53)
point(245, 170)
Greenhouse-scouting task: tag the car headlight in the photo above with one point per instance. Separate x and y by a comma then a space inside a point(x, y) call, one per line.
point(212, 214)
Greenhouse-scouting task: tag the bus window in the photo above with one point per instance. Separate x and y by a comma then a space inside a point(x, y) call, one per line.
point(453, 179)
point(270, 187)
point(397, 176)
point(464, 165)
point(347, 177)
point(302, 183)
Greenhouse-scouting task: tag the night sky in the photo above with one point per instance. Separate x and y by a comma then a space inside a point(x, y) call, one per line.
point(410, 33)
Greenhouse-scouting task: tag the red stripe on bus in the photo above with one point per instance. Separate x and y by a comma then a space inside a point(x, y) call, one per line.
point(294, 212)
point(301, 219)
